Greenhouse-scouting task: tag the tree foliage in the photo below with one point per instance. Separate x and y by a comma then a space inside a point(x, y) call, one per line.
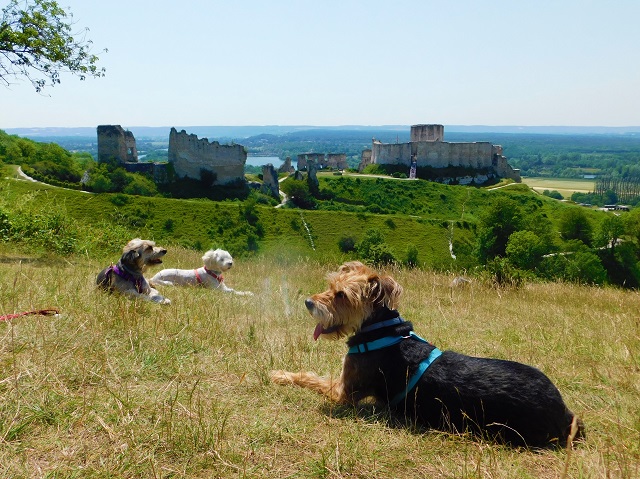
point(37, 41)
point(574, 225)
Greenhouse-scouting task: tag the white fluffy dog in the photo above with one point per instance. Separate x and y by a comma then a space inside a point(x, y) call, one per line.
point(210, 275)
point(127, 275)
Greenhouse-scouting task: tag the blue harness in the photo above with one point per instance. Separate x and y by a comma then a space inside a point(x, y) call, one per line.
point(390, 341)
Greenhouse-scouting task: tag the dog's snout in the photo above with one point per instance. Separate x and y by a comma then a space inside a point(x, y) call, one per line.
point(309, 303)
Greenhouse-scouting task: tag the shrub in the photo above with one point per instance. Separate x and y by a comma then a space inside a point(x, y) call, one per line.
point(411, 256)
point(347, 244)
point(372, 249)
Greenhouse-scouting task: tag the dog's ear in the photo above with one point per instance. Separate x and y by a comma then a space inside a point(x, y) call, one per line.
point(130, 257)
point(384, 291)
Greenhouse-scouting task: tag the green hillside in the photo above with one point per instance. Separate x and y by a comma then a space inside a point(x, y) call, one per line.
point(423, 215)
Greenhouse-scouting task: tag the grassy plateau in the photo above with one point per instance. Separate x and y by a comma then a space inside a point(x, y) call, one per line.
point(117, 388)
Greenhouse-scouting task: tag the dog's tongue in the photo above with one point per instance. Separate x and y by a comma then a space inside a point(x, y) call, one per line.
point(317, 332)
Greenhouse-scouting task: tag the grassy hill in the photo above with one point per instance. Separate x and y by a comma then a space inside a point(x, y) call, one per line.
point(423, 215)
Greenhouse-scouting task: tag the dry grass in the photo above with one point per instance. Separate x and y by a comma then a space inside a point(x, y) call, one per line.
point(118, 388)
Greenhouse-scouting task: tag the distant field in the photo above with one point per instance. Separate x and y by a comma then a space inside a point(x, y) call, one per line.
point(565, 186)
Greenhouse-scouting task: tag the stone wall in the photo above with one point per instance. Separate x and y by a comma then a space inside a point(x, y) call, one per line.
point(305, 158)
point(337, 161)
point(190, 155)
point(365, 159)
point(330, 160)
point(116, 143)
point(427, 133)
point(435, 153)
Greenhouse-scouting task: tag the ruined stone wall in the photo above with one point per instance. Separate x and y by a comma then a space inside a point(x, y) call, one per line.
point(427, 133)
point(304, 158)
point(443, 154)
point(391, 153)
point(116, 143)
point(189, 155)
point(365, 159)
point(337, 160)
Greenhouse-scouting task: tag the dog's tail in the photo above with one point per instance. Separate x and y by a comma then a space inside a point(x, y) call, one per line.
point(575, 430)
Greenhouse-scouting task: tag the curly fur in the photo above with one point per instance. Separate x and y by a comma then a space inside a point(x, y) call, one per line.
point(209, 276)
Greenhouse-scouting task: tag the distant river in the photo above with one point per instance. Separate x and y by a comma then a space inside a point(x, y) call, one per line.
point(263, 160)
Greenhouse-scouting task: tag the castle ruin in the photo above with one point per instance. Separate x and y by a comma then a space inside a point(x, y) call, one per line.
point(116, 143)
point(426, 148)
point(191, 156)
point(337, 161)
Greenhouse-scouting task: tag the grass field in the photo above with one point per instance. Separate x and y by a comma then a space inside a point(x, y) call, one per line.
point(566, 187)
point(119, 388)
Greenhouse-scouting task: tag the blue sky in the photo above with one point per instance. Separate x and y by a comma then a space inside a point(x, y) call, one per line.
point(348, 62)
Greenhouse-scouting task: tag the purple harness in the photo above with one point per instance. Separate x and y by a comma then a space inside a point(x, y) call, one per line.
point(137, 281)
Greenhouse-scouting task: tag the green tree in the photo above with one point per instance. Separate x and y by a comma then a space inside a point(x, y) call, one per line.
point(37, 42)
point(610, 231)
point(574, 225)
point(525, 249)
point(373, 249)
point(502, 218)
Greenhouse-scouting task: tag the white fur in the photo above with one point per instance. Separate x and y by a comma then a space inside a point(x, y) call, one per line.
point(218, 261)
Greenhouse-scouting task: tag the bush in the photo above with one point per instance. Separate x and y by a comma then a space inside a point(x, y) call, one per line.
point(411, 257)
point(347, 244)
point(503, 273)
point(372, 249)
point(556, 195)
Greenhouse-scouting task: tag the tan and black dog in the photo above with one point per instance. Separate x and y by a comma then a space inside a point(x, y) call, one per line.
point(506, 401)
point(127, 276)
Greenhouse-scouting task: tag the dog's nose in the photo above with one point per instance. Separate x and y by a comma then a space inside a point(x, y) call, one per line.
point(163, 251)
point(308, 303)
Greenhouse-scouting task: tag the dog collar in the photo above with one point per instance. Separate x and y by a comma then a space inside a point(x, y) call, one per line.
point(124, 274)
point(382, 343)
point(382, 324)
point(212, 273)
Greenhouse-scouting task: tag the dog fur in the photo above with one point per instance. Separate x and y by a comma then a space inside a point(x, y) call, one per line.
point(209, 276)
point(127, 276)
point(505, 401)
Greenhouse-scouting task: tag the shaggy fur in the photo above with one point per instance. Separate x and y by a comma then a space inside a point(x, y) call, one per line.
point(127, 276)
point(502, 400)
point(210, 275)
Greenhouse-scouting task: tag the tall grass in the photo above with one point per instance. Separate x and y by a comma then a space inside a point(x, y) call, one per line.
point(119, 388)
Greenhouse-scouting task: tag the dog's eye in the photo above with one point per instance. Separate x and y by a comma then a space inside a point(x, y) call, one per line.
point(340, 294)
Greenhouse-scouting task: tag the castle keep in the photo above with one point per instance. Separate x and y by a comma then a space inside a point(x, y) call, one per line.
point(427, 149)
point(190, 156)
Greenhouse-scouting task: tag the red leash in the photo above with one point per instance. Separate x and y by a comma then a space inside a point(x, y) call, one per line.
point(43, 312)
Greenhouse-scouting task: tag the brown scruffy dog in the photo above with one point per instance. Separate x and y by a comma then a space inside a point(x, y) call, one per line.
point(127, 275)
point(502, 400)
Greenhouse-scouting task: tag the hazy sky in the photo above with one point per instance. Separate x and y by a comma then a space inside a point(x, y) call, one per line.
point(346, 62)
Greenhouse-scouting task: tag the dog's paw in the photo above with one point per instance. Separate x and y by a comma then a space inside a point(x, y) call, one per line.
point(281, 377)
point(160, 300)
